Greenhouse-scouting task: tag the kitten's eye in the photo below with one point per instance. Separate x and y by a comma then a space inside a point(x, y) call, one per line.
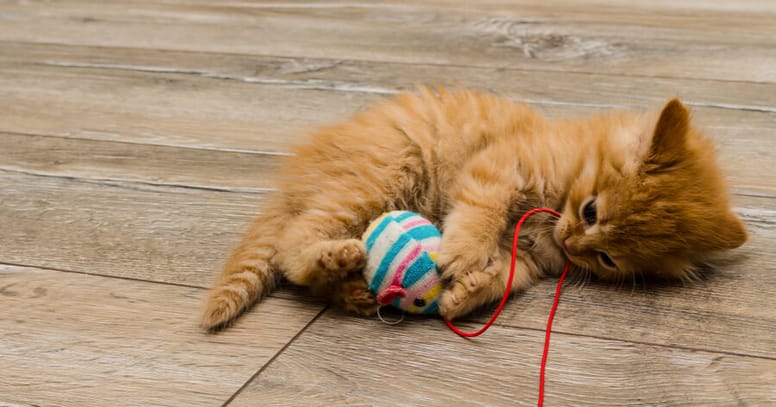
point(419, 302)
point(606, 261)
point(589, 213)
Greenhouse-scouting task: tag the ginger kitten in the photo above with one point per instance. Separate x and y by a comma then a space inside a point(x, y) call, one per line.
point(639, 193)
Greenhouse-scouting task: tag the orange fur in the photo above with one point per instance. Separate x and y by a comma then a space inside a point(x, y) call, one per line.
point(473, 163)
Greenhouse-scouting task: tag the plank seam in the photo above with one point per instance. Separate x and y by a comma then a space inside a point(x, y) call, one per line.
point(31, 266)
point(117, 182)
point(275, 356)
point(272, 294)
point(132, 143)
point(636, 342)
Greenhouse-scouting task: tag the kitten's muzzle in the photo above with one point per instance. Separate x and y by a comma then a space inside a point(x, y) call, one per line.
point(569, 248)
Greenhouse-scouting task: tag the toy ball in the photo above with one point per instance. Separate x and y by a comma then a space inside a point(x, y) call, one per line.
point(401, 248)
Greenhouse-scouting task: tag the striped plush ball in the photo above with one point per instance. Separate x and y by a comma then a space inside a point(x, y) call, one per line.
point(401, 248)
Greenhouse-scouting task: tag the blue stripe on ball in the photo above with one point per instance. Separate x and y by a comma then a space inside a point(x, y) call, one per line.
point(417, 270)
point(390, 255)
point(403, 216)
point(387, 219)
point(423, 232)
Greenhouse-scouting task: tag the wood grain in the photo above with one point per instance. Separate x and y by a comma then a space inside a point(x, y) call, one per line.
point(116, 162)
point(526, 36)
point(421, 362)
point(166, 234)
point(168, 105)
point(163, 109)
point(75, 340)
point(601, 88)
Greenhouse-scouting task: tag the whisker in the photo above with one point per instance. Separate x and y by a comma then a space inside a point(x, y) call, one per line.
point(633, 285)
point(620, 281)
point(581, 281)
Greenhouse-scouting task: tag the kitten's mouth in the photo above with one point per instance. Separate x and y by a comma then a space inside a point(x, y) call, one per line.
point(575, 260)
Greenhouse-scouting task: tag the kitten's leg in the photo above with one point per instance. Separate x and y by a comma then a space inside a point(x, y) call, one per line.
point(484, 198)
point(318, 250)
point(249, 273)
point(351, 293)
point(314, 252)
point(481, 287)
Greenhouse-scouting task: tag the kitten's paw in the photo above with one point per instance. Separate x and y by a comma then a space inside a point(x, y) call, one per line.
point(454, 301)
point(354, 295)
point(468, 292)
point(458, 266)
point(340, 257)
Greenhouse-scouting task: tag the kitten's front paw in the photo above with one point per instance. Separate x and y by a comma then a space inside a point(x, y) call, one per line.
point(451, 301)
point(470, 272)
point(472, 289)
point(467, 293)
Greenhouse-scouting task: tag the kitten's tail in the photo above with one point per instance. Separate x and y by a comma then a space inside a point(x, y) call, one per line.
point(248, 275)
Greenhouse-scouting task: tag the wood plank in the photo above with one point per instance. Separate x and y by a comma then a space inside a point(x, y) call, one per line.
point(420, 362)
point(70, 339)
point(164, 109)
point(626, 41)
point(116, 162)
point(167, 104)
point(166, 234)
point(602, 89)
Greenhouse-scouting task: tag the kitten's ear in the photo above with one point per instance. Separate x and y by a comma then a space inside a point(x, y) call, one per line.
point(668, 141)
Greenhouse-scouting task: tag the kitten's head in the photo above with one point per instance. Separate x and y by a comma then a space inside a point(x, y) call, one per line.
point(651, 201)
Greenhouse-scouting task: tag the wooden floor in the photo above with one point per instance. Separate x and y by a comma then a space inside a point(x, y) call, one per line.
point(135, 142)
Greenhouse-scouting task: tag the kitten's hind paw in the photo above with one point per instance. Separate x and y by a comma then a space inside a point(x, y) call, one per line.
point(354, 295)
point(342, 256)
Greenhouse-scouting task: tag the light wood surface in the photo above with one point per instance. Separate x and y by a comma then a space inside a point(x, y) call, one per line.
point(626, 40)
point(123, 95)
point(76, 340)
point(419, 364)
point(175, 235)
point(137, 140)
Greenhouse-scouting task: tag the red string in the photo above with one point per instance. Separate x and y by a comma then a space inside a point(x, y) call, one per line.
point(547, 334)
point(506, 296)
